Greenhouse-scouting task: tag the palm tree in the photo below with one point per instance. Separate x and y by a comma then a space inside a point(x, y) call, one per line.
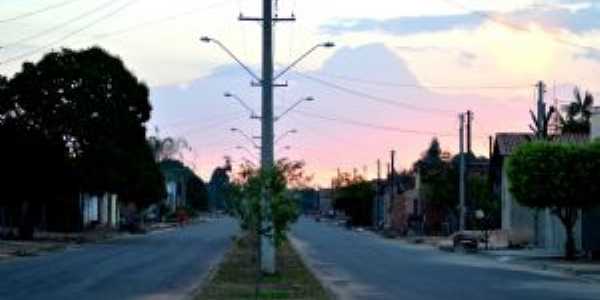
point(578, 113)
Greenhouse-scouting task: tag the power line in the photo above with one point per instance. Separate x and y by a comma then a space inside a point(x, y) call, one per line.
point(373, 97)
point(60, 25)
point(160, 20)
point(69, 35)
point(518, 27)
point(38, 11)
point(421, 86)
point(371, 125)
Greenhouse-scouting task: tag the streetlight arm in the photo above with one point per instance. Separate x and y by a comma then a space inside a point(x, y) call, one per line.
point(246, 106)
point(289, 109)
point(295, 62)
point(235, 58)
point(247, 137)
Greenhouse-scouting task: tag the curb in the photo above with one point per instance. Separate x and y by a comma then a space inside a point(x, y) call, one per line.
point(311, 268)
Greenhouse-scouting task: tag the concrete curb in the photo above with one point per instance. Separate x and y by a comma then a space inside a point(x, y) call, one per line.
point(309, 263)
point(210, 274)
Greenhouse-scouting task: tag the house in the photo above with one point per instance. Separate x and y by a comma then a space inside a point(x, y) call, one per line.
point(525, 226)
point(99, 210)
point(590, 222)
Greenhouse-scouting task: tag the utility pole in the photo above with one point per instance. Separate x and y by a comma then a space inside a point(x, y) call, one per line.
point(461, 186)
point(378, 196)
point(267, 247)
point(393, 169)
point(541, 109)
point(469, 131)
point(491, 146)
point(267, 156)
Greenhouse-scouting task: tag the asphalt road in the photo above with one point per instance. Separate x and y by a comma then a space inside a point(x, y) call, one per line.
point(160, 265)
point(361, 265)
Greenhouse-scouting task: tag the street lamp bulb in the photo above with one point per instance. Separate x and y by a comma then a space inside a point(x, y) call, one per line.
point(205, 39)
point(328, 44)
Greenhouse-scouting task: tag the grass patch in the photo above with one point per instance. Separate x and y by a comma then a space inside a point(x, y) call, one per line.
point(236, 276)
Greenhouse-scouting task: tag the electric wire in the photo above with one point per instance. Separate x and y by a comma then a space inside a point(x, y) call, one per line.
point(38, 11)
point(364, 95)
point(56, 27)
point(69, 35)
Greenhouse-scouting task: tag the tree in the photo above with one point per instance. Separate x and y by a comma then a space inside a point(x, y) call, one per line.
point(195, 188)
point(540, 127)
point(354, 196)
point(168, 147)
point(88, 111)
point(578, 113)
point(219, 185)
point(89, 100)
point(561, 177)
point(249, 188)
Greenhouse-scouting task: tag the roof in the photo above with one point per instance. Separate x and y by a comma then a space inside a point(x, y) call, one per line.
point(507, 142)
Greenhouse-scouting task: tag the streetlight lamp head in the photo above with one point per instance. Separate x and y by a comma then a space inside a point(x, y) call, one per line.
point(294, 131)
point(205, 39)
point(310, 98)
point(234, 129)
point(227, 94)
point(328, 44)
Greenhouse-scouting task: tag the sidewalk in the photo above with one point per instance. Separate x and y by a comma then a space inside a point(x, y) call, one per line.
point(539, 259)
point(45, 242)
point(548, 260)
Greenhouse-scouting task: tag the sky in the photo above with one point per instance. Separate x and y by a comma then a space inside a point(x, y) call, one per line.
point(400, 73)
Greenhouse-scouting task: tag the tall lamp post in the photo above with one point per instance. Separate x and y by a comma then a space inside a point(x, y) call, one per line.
point(267, 258)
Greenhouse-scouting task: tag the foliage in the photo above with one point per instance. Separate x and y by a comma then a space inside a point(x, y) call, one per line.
point(252, 185)
point(541, 131)
point(439, 178)
point(354, 196)
point(84, 113)
point(195, 187)
point(219, 186)
point(578, 113)
point(168, 147)
point(562, 177)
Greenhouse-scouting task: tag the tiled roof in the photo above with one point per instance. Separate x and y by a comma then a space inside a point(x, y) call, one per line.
point(508, 141)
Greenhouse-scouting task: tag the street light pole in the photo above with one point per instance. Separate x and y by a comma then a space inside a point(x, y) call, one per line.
point(267, 156)
point(253, 114)
point(246, 136)
point(282, 136)
point(307, 99)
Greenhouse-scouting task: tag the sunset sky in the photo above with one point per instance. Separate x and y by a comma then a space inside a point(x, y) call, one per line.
point(400, 74)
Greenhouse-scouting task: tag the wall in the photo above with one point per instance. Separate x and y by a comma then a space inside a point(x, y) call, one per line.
point(595, 120)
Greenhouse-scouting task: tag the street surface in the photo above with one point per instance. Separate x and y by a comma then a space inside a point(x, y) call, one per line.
point(361, 265)
point(160, 265)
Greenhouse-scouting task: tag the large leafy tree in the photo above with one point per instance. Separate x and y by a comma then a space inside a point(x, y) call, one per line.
point(85, 108)
point(97, 107)
point(578, 113)
point(561, 177)
point(354, 196)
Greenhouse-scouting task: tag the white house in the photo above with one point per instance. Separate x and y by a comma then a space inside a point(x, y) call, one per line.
point(102, 210)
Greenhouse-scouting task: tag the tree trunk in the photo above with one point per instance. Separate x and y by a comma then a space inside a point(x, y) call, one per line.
point(26, 224)
point(568, 217)
point(570, 249)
